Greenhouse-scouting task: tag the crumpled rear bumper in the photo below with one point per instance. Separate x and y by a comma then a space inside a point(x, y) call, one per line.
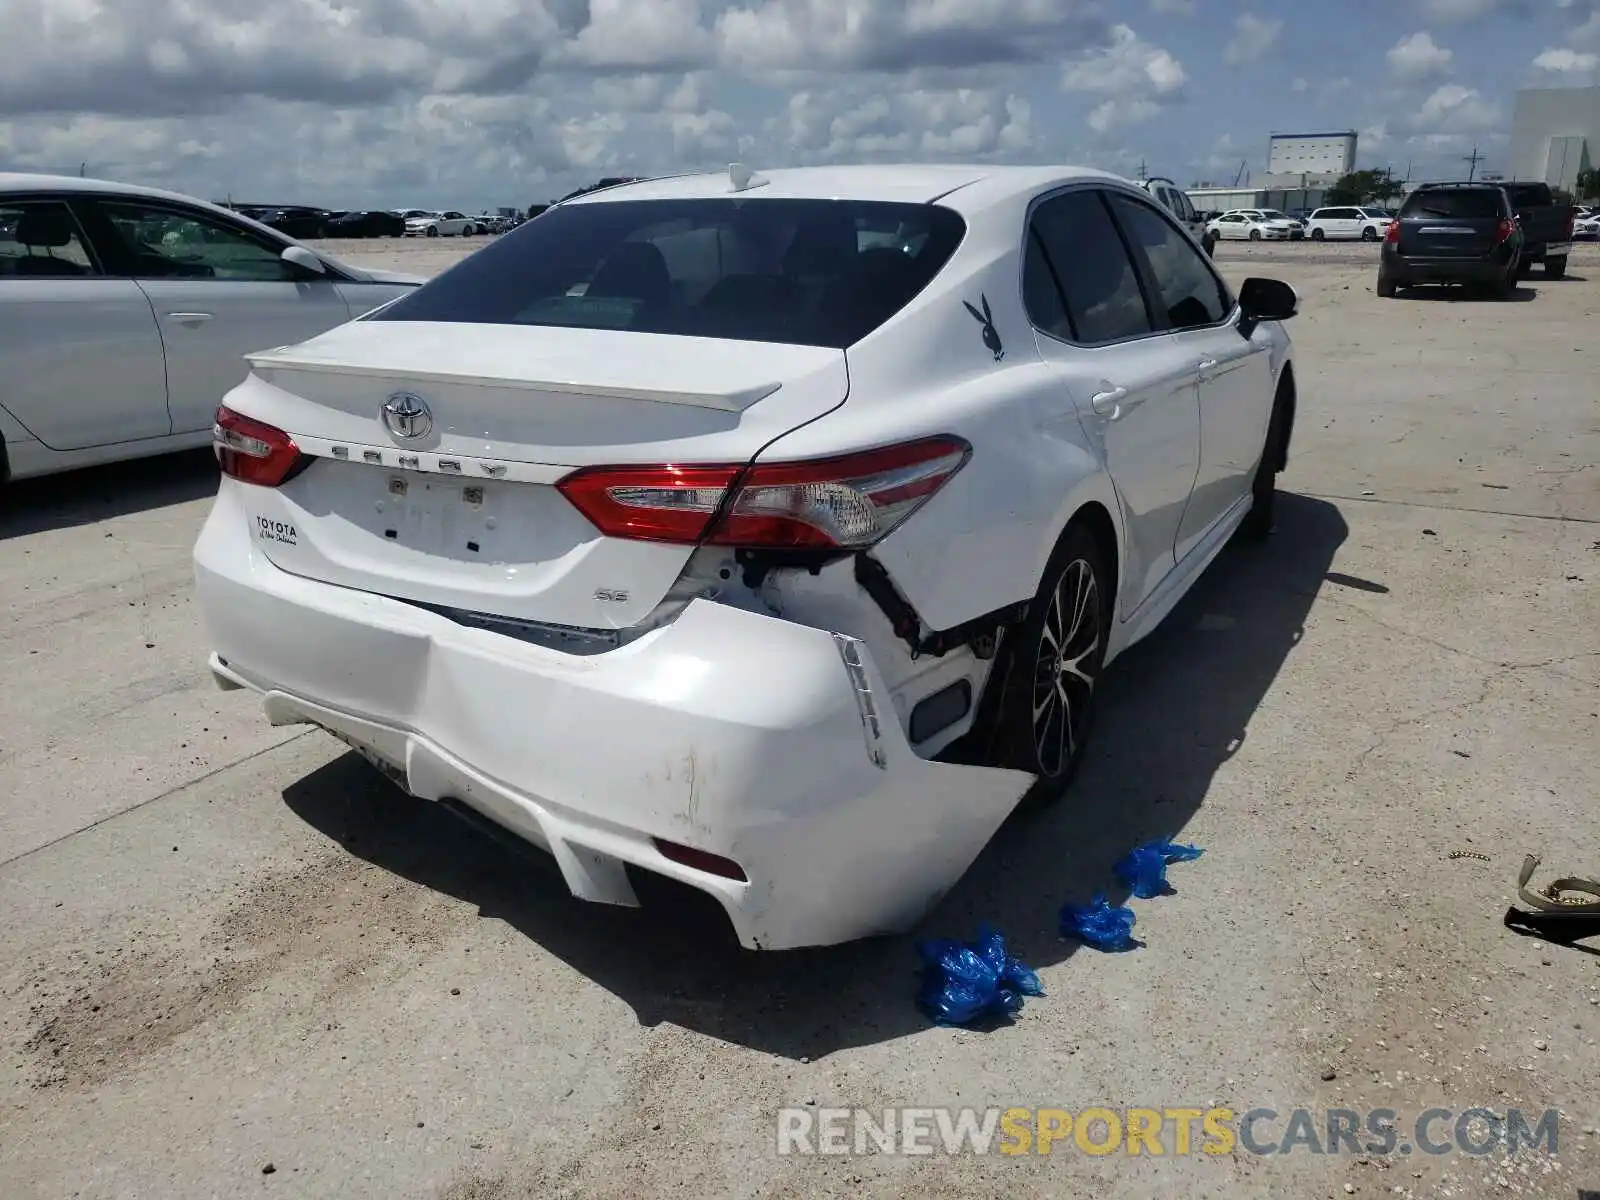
point(761, 741)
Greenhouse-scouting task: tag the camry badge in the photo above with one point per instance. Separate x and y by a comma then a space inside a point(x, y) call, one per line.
point(407, 415)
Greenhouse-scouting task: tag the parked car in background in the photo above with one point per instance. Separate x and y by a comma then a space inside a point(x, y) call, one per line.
point(1547, 225)
point(1297, 227)
point(298, 222)
point(370, 223)
point(1465, 233)
point(794, 491)
point(441, 224)
point(1250, 225)
point(1352, 222)
point(126, 313)
point(1586, 227)
point(1179, 205)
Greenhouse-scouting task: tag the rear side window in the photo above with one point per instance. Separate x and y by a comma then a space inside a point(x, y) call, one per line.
point(1465, 203)
point(809, 272)
point(40, 240)
point(1085, 254)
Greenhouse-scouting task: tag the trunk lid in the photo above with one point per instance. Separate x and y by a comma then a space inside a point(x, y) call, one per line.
point(463, 514)
point(1451, 224)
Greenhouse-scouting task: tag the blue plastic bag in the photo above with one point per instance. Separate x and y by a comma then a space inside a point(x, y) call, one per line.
point(1100, 925)
point(965, 983)
point(1143, 870)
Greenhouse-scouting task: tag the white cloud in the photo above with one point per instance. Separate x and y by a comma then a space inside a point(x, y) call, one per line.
point(1138, 78)
point(378, 103)
point(1455, 108)
point(860, 124)
point(1127, 64)
point(1563, 60)
point(1252, 37)
point(1417, 56)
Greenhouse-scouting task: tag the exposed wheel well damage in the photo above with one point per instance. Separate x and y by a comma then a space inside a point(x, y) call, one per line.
point(1094, 517)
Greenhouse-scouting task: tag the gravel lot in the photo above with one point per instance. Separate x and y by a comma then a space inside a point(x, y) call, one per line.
point(228, 946)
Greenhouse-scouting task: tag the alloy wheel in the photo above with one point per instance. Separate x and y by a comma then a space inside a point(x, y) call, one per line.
point(1063, 685)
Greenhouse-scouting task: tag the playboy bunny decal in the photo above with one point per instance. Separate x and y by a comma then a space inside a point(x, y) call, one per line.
point(991, 335)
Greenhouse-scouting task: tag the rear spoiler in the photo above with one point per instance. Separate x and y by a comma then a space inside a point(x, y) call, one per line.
point(284, 358)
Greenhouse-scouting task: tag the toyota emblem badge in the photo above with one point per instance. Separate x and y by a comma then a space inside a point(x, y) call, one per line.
point(407, 416)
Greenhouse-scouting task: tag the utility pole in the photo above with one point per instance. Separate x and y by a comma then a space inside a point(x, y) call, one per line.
point(1472, 160)
point(1142, 176)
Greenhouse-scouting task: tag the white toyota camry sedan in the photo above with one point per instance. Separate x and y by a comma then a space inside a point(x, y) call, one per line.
point(126, 312)
point(682, 528)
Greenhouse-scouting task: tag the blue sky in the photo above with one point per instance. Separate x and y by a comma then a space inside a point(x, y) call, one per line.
point(472, 103)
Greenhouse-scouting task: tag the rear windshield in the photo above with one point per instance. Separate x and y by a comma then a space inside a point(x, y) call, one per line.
point(1465, 203)
point(809, 272)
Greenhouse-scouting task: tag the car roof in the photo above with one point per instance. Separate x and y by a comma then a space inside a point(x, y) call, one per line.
point(964, 188)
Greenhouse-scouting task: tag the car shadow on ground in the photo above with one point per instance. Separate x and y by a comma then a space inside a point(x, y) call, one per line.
point(93, 494)
point(1196, 683)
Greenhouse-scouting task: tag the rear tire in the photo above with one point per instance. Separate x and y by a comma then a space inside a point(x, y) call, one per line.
point(1555, 268)
point(1386, 286)
point(1050, 671)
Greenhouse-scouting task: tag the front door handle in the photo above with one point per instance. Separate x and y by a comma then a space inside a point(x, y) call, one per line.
point(1206, 364)
point(190, 318)
point(1108, 403)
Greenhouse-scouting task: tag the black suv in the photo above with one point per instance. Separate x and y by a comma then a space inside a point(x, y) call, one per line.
point(1453, 233)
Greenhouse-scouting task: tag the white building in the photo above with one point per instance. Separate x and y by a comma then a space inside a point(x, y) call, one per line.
point(1554, 134)
point(1311, 153)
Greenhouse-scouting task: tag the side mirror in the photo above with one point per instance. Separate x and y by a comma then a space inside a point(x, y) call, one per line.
point(300, 257)
point(1265, 300)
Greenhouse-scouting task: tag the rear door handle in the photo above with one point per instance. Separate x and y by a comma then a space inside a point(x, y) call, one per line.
point(1108, 403)
point(1206, 364)
point(190, 318)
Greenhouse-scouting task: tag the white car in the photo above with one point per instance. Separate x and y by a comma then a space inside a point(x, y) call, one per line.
point(126, 313)
point(683, 527)
point(1364, 224)
point(441, 224)
point(1586, 227)
point(1251, 225)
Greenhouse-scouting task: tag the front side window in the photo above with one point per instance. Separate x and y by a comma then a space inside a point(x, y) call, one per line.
point(809, 272)
point(40, 240)
point(1100, 288)
point(173, 243)
point(1188, 291)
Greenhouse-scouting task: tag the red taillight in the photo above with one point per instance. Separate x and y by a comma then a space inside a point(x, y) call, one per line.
point(846, 502)
point(1392, 233)
point(1504, 230)
point(252, 451)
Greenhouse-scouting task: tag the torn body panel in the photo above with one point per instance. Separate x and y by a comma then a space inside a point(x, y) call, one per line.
point(727, 729)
